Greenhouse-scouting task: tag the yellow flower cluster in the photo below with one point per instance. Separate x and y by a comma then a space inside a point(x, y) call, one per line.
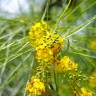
point(49, 48)
point(49, 40)
point(65, 64)
point(46, 43)
point(45, 55)
point(36, 32)
point(84, 92)
point(35, 87)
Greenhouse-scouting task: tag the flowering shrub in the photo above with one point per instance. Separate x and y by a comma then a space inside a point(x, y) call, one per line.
point(50, 50)
point(48, 45)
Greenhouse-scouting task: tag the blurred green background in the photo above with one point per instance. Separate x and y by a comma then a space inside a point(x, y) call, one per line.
point(78, 25)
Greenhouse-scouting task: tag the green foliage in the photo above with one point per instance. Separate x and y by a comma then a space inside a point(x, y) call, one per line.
point(76, 23)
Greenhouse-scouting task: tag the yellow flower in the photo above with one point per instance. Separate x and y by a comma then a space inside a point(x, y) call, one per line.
point(65, 64)
point(41, 37)
point(35, 87)
point(45, 55)
point(84, 92)
point(46, 43)
point(50, 40)
point(48, 47)
point(93, 45)
point(92, 80)
point(37, 31)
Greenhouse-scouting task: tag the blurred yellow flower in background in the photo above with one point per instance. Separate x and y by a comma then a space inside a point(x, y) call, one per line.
point(35, 87)
point(92, 80)
point(84, 92)
point(93, 45)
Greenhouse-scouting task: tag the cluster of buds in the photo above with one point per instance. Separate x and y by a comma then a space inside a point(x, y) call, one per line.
point(92, 44)
point(65, 64)
point(46, 43)
point(35, 87)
